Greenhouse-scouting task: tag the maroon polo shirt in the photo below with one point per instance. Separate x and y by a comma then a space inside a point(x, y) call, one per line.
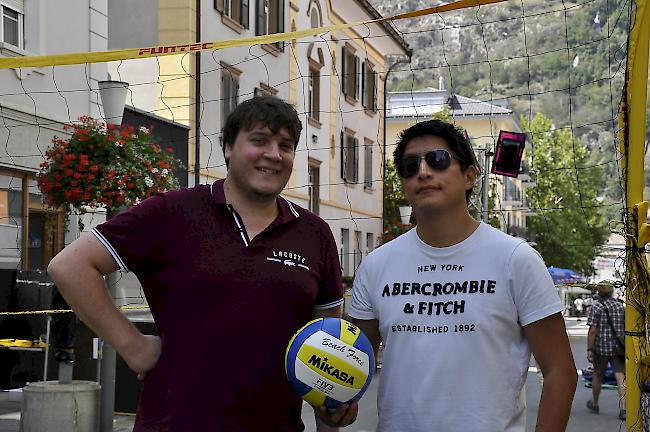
point(225, 306)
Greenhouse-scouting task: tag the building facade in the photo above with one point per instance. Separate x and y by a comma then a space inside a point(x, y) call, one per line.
point(334, 80)
point(35, 104)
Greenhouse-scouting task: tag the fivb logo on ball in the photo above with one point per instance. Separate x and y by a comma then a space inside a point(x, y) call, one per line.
point(330, 362)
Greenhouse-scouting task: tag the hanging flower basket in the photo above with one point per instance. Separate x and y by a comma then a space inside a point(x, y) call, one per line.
point(104, 166)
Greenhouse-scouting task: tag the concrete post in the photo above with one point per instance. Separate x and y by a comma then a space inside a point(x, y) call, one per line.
point(55, 407)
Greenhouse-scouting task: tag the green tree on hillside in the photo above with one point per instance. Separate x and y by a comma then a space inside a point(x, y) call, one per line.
point(568, 224)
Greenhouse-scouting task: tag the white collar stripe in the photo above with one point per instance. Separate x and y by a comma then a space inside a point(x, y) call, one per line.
point(239, 225)
point(293, 210)
point(110, 249)
point(329, 305)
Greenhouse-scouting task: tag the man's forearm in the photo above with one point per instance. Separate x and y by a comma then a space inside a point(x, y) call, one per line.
point(85, 291)
point(555, 402)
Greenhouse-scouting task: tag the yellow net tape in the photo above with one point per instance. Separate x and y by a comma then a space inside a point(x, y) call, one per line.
point(22, 343)
point(165, 50)
point(60, 311)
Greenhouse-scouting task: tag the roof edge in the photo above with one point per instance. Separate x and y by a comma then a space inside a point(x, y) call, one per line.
point(388, 26)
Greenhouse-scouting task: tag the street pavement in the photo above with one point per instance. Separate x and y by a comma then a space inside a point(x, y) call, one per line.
point(581, 419)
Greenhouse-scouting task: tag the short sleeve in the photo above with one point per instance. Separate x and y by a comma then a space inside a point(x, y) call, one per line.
point(330, 292)
point(135, 237)
point(361, 305)
point(532, 288)
point(594, 314)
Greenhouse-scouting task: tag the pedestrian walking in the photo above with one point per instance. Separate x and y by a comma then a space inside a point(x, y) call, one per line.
point(606, 344)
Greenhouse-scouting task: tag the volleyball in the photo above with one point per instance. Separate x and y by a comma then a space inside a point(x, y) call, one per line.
point(329, 362)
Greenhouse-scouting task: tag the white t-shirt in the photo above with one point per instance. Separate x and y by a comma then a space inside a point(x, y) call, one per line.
point(455, 356)
point(579, 304)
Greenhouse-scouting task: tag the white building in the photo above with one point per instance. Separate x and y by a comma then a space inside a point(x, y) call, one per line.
point(610, 262)
point(35, 103)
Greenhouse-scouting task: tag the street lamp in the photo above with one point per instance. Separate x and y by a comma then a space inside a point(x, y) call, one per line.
point(113, 97)
point(405, 214)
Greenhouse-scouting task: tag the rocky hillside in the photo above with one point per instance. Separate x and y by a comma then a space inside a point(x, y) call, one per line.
point(565, 59)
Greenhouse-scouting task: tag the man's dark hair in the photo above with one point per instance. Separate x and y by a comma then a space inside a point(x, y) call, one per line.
point(454, 137)
point(265, 111)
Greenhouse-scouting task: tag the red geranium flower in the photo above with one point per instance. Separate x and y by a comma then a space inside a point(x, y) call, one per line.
point(88, 169)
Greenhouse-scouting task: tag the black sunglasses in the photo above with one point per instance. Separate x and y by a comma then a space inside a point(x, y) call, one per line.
point(438, 160)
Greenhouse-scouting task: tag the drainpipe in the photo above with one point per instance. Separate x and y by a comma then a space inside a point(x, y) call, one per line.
point(197, 100)
point(383, 188)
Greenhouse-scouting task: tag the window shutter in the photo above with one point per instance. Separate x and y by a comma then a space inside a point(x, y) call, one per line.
point(355, 145)
point(344, 72)
point(244, 13)
point(364, 99)
point(235, 94)
point(369, 175)
point(316, 96)
point(260, 17)
point(218, 5)
point(225, 97)
point(356, 78)
point(280, 4)
point(374, 91)
point(342, 155)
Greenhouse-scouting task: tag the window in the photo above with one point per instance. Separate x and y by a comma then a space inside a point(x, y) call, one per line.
point(358, 236)
point(367, 164)
point(313, 90)
point(350, 73)
point(370, 242)
point(345, 251)
point(349, 157)
point(236, 10)
point(269, 18)
point(265, 90)
point(368, 87)
point(511, 191)
point(314, 185)
point(12, 27)
point(229, 90)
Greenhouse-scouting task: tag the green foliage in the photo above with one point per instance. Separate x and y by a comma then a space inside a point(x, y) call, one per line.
point(493, 215)
point(568, 225)
point(393, 199)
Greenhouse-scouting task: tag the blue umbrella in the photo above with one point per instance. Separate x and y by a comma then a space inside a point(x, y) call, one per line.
point(563, 276)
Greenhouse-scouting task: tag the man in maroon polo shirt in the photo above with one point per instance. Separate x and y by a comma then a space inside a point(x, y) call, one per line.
point(230, 271)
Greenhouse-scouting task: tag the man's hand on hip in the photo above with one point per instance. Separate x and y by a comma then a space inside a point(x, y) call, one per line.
point(142, 355)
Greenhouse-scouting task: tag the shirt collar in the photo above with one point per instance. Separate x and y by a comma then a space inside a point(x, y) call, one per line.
point(288, 211)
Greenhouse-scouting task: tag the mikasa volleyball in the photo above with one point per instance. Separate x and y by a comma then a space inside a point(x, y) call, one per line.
point(329, 361)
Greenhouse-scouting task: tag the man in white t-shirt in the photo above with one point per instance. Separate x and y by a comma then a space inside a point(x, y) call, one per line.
point(579, 305)
point(459, 306)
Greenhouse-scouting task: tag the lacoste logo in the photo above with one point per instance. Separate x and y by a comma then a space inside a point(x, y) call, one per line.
point(289, 259)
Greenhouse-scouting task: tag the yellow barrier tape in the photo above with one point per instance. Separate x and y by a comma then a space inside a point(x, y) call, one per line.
point(61, 311)
point(165, 50)
point(22, 343)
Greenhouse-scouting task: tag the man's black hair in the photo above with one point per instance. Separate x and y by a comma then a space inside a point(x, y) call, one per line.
point(455, 138)
point(262, 111)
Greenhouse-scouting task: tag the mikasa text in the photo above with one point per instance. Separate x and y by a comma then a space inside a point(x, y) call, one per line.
point(322, 364)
